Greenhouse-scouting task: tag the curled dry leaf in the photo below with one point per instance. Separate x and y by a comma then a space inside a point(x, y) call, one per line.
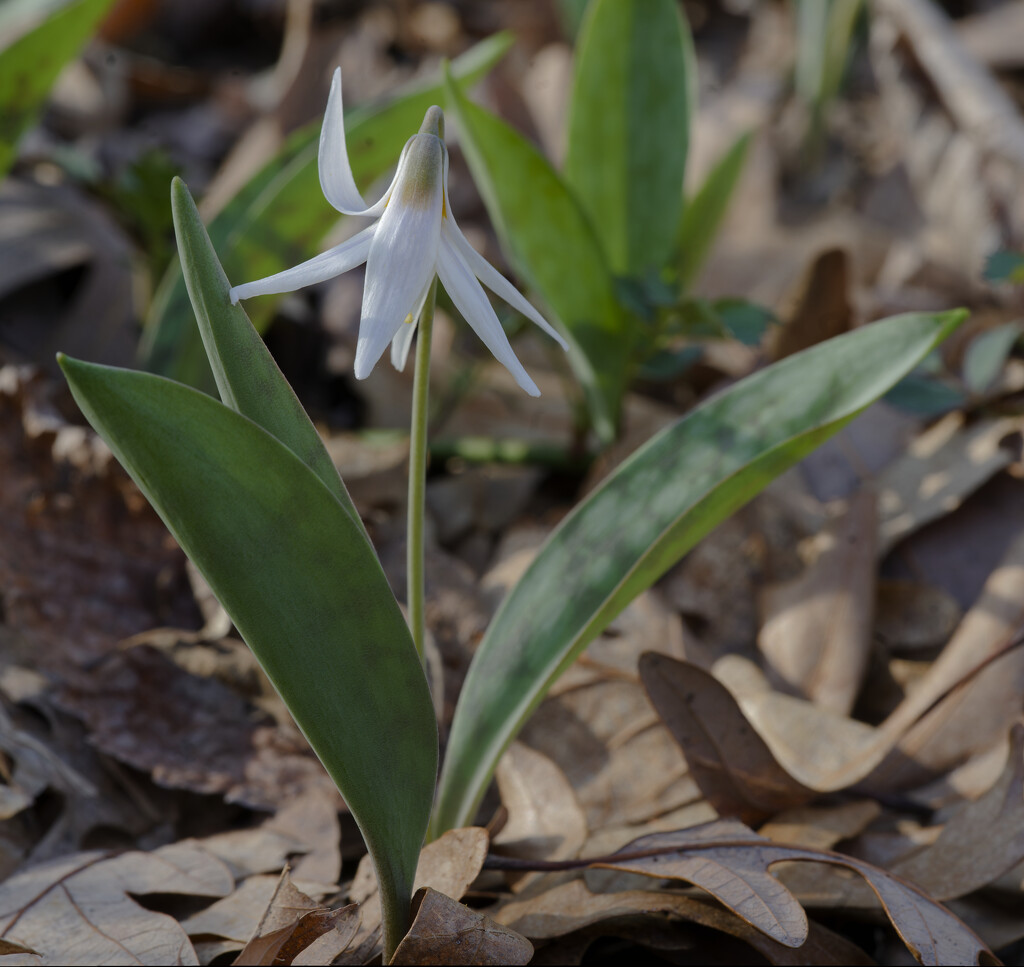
point(235, 917)
point(821, 827)
point(732, 862)
point(731, 763)
point(292, 922)
point(620, 760)
point(980, 842)
point(939, 728)
point(249, 851)
point(816, 632)
point(142, 709)
point(312, 819)
point(448, 865)
point(570, 907)
point(739, 879)
point(444, 931)
point(35, 768)
point(941, 467)
point(544, 819)
point(78, 909)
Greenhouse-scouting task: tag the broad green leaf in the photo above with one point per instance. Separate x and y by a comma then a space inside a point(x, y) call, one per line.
point(248, 379)
point(703, 213)
point(29, 67)
point(551, 244)
point(302, 585)
point(629, 121)
point(280, 217)
point(646, 515)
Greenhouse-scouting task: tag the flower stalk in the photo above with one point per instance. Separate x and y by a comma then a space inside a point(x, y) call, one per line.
point(418, 477)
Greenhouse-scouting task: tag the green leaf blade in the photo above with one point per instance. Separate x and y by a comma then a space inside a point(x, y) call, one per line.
point(280, 217)
point(29, 68)
point(646, 515)
point(302, 586)
point(551, 244)
point(629, 123)
point(704, 212)
point(248, 379)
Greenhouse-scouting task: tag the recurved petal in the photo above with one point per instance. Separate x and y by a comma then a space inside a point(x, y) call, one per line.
point(336, 179)
point(494, 280)
point(327, 265)
point(466, 292)
point(403, 255)
point(402, 342)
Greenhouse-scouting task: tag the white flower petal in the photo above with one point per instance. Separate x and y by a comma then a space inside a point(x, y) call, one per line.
point(403, 254)
point(327, 265)
point(494, 280)
point(336, 179)
point(402, 342)
point(466, 292)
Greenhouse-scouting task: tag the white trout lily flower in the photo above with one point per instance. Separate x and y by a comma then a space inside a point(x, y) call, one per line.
point(414, 238)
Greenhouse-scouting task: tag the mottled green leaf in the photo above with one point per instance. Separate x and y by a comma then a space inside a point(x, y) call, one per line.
point(648, 513)
point(303, 587)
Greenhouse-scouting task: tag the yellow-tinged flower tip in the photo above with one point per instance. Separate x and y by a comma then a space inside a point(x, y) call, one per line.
point(413, 239)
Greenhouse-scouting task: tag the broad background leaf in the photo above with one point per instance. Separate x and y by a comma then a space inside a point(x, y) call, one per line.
point(302, 585)
point(551, 244)
point(646, 515)
point(629, 122)
point(30, 65)
point(280, 217)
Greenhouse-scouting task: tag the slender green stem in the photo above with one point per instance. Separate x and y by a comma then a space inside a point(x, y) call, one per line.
point(418, 473)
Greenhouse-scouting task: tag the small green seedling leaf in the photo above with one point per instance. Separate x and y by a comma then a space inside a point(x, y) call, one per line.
point(280, 217)
point(30, 65)
point(745, 321)
point(551, 244)
point(987, 354)
point(303, 587)
point(925, 394)
point(646, 515)
point(629, 122)
point(1005, 266)
point(703, 214)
